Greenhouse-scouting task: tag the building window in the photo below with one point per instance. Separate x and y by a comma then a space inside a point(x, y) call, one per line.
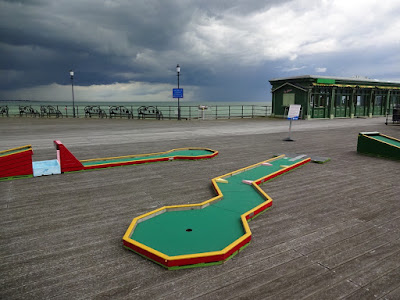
point(288, 99)
point(344, 100)
point(358, 100)
point(322, 101)
point(378, 100)
point(337, 102)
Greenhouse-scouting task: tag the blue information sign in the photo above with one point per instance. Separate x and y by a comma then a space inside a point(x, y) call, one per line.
point(177, 93)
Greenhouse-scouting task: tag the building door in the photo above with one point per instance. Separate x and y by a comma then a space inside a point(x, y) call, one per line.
point(342, 106)
point(319, 106)
point(361, 106)
point(378, 105)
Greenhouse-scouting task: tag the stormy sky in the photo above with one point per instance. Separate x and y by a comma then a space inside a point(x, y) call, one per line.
point(127, 50)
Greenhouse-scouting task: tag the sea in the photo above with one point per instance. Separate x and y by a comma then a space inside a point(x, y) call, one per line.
point(189, 109)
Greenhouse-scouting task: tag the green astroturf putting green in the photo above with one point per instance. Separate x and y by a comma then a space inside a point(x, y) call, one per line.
point(192, 230)
point(386, 140)
point(186, 152)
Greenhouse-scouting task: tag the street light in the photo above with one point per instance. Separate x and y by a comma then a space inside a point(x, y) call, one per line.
point(71, 73)
point(178, 70)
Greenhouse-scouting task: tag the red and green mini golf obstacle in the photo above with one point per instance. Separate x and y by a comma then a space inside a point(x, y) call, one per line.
point(210, 232)
point(17, 162)
point(69, 162)
point(377, 144)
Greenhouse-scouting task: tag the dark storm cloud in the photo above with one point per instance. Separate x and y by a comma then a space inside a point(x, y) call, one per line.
point(46, 38)
point(227, 48)
point(92, 36)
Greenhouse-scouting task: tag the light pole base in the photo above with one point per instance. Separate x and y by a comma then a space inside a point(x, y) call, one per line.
point(288, 139)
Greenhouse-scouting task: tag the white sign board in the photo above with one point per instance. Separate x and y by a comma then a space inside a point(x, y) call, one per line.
point(294, 111)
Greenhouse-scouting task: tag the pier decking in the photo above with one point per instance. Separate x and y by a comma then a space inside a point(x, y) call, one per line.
point(333, 231)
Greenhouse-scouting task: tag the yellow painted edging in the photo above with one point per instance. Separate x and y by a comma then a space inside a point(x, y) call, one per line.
point(250, 167)
point(358, 85)
point(390, 138)
point(28, 147)
point(245, 223)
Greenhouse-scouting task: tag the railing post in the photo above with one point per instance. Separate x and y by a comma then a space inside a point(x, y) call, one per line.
point(242, 111)
point(216, 112)
point(252, 111)
point(229, 112)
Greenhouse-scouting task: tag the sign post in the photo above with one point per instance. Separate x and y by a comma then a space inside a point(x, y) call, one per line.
point(178, 93)
point(293, 114)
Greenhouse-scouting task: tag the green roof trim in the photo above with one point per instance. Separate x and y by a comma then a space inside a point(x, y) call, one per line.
point(326, 80)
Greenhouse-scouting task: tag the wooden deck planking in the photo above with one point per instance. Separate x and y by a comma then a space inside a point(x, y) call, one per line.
point(330, 232)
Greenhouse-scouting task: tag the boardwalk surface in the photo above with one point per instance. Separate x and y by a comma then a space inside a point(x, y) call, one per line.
point(333, 231)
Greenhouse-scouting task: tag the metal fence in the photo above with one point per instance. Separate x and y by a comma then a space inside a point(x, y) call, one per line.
point(187, 112)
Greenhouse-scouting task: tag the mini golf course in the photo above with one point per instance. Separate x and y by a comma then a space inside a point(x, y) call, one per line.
point(213, 231)
point(17, 162)
point(377, 144)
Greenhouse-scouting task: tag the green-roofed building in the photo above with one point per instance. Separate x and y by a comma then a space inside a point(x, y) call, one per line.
point(334, 97)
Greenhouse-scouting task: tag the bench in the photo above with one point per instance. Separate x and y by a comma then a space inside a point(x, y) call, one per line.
point(28, 110)
point(96, 111)
point(49, 111)
point(4, 110)
point(120, 111)
point(149, 111)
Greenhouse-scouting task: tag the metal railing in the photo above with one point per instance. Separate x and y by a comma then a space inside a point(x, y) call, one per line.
point(189, 112)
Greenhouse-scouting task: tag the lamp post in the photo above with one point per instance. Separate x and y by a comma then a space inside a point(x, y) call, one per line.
point(178, 70)
point(71, 73)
